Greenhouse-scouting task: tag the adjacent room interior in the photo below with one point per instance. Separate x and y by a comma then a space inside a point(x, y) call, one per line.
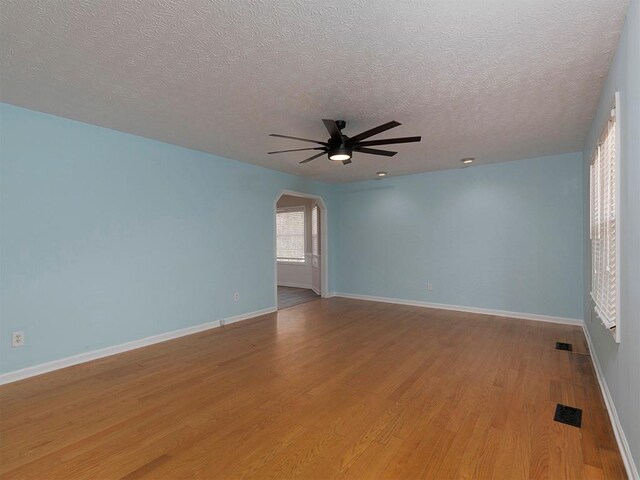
point(298, 249)
point(322, 239)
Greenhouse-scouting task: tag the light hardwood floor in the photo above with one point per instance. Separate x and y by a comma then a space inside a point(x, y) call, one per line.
point(333, 388)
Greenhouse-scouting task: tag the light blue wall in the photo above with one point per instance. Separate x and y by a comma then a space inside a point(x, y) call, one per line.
point(504, 236)
point(621, 363)
point(109, 237)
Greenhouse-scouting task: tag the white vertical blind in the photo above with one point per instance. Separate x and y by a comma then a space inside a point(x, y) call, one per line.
point(314, 231)
point(604, 289)
point(290, 235)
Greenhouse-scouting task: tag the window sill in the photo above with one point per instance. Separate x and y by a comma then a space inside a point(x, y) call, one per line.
point(615, 332)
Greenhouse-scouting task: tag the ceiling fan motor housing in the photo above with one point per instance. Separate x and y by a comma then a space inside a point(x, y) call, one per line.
point(339, 148)
point(333, 143)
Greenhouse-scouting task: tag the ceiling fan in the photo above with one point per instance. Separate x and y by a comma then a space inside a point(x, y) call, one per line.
point(340, 147)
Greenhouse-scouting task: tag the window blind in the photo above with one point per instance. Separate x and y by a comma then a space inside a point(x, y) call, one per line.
point(604, 289)
point(314, 231)
point(290, 235)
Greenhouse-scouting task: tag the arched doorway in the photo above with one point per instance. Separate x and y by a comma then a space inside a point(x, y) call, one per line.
point(300, 265)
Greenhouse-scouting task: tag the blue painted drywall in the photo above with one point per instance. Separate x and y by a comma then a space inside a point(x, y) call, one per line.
point(504, 236)
point(621, 363)
point(108, 237)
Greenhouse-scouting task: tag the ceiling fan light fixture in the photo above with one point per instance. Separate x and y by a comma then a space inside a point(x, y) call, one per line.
point(381, 174)
point(467, 160)
point(340, 153)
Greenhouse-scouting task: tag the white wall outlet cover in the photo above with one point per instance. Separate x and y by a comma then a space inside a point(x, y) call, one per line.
point(17, 339)
point(236, 297)
point(429, 287)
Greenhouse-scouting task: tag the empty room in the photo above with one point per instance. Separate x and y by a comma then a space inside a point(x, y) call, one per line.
point(319, 239)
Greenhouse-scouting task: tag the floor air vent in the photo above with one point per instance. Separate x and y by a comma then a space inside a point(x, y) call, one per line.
point(564, 346)
point(569, 415)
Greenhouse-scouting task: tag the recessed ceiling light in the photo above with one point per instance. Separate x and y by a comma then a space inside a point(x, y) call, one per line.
point(381, 174)
point(467, 160)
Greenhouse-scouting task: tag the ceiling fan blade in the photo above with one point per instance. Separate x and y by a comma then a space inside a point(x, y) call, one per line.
point(346, 162)
point(374, 131)
point(314, 157)
point(374, 151)
point(297, 138)
point(333, 129)
point(388, 141)
point(297, 150)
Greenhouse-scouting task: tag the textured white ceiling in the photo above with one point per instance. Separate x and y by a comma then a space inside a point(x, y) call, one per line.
point(493, 79)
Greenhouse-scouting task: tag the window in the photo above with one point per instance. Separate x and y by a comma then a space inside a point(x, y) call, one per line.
point(290, 235)
point(604, 225)
point(314, 231)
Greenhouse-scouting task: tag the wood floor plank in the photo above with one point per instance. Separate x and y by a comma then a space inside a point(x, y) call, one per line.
point(336, 388)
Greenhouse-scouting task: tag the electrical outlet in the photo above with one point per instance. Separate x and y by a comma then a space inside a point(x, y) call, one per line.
point(236, 296)
point(17, 339)
point(222, 322)
point(429, 287)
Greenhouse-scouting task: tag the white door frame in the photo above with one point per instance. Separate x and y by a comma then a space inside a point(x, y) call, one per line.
point(324, 243)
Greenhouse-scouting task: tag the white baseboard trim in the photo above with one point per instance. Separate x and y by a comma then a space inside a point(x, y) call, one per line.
point(623, 445)
point(295, 285)
point(460, 308)
point(124, 347)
